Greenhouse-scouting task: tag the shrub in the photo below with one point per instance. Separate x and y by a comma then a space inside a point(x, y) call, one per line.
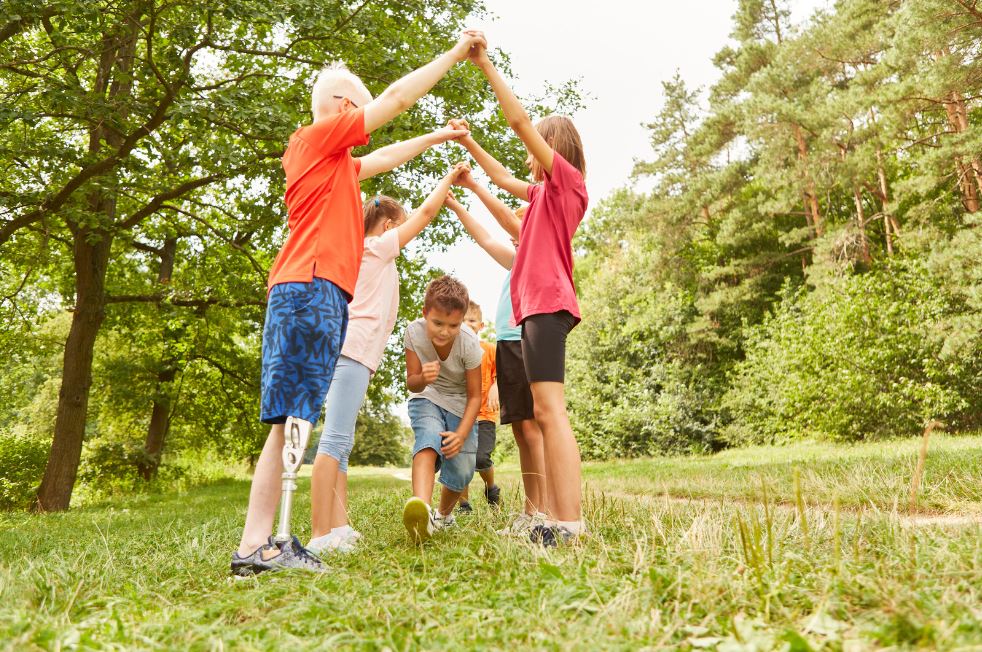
point(22, 461)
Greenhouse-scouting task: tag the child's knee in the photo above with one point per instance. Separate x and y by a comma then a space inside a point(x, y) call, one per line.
point(457, 472)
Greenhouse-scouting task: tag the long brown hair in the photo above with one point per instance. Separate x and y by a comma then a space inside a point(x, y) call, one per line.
point(381, 208)
point(560, 132)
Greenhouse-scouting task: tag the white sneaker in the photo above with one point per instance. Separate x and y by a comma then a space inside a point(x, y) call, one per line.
point(442, 522)
point(521, 525)
point(418, 519)
point(328, 543)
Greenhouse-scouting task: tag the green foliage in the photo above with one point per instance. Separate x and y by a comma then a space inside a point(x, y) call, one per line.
point(857, 358)
point(22, 460)
point(380, 439)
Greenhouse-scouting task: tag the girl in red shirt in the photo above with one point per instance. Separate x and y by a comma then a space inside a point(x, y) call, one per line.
point(542, 291)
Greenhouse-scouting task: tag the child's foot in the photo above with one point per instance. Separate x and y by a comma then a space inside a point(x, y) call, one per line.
point(464, 507)
point(550, 536)
point(337, 540)
point(274, 556)
point(493, 494)
point(418, 519)
point(442, 522)
point(520, 526)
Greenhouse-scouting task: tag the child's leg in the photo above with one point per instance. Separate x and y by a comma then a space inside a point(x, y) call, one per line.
point(561, 452)
point(458, 471)
point(328, 500)
point(424, 471)
point(427, 422)
point(544, 353)
point(264, 494)
point(531, 459)
point(486, 440)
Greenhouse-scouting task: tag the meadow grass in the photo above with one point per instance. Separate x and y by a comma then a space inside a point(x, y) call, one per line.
point(738, 571)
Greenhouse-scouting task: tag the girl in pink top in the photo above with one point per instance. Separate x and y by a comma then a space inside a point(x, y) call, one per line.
point(371, 318)
point(542, 291)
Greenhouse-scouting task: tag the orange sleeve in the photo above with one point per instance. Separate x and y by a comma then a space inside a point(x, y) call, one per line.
point(339, 131)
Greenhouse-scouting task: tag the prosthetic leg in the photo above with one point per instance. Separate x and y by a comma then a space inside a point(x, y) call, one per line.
point(296, 433)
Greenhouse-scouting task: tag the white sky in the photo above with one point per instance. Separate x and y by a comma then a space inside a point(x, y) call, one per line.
point(621, 50)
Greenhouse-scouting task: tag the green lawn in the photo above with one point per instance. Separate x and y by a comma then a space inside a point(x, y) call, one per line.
point(726, 573)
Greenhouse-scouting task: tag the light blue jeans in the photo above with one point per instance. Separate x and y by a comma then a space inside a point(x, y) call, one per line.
point(429, 420)
point(344, 400)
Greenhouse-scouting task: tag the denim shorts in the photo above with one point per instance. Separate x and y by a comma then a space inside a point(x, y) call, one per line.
point(302, 339)
point(429, 420)
point(341, 409)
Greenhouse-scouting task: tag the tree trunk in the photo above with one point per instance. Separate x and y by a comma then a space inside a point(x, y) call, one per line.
point(966, 182)
point(91, 261)
point(159, 426)
point(857, 196)
point(811, 192)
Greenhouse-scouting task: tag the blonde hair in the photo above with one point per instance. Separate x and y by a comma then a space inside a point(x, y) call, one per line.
point(334, 79)
point(560, 132)
point(380, 208)
point(473, 307)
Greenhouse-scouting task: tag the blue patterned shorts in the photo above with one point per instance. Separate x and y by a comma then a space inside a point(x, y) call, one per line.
point(302, 338)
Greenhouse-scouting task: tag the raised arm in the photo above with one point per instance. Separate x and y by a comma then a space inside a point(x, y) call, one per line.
point(403, 93)
point(426, 211)
point(498, 209)
point(498, 173)
point(503, 254)
point(392, 156)
point(514, 112)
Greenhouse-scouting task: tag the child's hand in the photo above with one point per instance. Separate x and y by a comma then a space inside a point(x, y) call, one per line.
point(430, 371)
point(469, 39)
point(451, 132)
point(451, 202)
point(493, 402)
point(479, 55)
point(464, 178)
point(452, 443)
point(460, 123)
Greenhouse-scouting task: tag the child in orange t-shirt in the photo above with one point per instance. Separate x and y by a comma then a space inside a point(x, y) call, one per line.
point(313, 279)
point(487, 417)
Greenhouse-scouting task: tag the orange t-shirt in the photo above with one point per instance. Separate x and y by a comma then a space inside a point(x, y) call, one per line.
point(489, 374)
point(323, 202)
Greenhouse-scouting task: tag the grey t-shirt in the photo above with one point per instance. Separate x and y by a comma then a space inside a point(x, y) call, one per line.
point(449, 390)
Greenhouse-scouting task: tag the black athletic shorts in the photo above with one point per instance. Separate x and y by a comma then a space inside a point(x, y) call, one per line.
point(544, 346)
point(513, 388)
point(486, 436)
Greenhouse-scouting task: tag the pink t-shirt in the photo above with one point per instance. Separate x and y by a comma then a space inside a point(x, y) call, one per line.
point(372, 313)
point(542, 277)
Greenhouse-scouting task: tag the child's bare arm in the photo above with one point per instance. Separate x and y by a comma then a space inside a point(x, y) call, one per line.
point(514, 112)
point(427, 210)
point(392, 156)
point(498, 173)
point(503, 254)
point(405, 92)
point(454, 441)
point(419, 375)
point(498, 209)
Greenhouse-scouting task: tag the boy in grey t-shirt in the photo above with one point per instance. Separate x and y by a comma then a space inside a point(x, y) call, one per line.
point(443, 374)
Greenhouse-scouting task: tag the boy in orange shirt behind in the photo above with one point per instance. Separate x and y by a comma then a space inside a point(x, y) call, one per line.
point(487, 418)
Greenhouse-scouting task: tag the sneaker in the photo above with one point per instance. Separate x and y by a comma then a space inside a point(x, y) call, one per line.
point(343, 541)
point(493, 494)
point(442, 522)
point(550, 536)
point(464, 507)
point(520, 526)
point(418, 519)
point(276, 555)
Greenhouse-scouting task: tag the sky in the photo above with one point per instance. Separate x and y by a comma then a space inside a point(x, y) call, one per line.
point(621, 50)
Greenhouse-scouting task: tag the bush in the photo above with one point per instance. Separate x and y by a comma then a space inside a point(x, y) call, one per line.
point(22, 461)
point(857, 358)
point(380, 439)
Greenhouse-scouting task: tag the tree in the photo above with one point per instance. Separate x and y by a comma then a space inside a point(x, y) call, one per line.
point(138, 132)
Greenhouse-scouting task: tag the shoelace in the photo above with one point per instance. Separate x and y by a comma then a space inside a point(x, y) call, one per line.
point(303, 554)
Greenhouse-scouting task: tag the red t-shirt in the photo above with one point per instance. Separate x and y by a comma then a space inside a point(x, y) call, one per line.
point(542, 276)
point(323, 201)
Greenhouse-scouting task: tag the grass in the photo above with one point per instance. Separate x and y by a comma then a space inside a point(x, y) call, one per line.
point(733, 572)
